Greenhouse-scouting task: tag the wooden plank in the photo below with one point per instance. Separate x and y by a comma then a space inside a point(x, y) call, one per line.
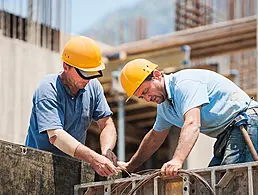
point(249, 33)
point(204, 41)
point(224, 49)
point(29, 171)
point(182, 37)
point(175, 57)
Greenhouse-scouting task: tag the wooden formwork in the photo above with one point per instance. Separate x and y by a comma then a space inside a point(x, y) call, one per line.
point(30, 171)
point(229, 179)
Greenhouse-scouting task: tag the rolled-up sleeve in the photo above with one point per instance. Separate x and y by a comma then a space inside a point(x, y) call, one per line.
point(101, 109)
point(49, 115)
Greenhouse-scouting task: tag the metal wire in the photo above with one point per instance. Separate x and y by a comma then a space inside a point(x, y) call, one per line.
point(152, 173)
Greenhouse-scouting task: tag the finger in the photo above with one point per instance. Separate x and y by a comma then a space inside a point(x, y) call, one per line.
point(121, 165)
point(101, 172)
point(119, 168)
point(105, 171)
point(175, 171)
point(166, 167)
point(111, 168)
point(166, 170)
point(163, 170)
point(169, 171)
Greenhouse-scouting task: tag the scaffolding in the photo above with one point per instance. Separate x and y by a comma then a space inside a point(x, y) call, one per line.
point(40, 22)
point(227, 179)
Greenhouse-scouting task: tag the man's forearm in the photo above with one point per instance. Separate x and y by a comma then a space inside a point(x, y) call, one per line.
point(188, 136)
point(69, 145)
point(148, 146)
point(108, 138)
point(84, 153)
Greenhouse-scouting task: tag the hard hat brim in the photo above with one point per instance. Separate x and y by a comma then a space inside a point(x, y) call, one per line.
point(128, 98)
point(100, 67)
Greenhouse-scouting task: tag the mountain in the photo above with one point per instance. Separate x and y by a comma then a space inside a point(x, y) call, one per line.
point(156, 16)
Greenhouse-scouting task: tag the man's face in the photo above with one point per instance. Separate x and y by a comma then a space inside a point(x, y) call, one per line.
point(153, 90)
point(74, 78)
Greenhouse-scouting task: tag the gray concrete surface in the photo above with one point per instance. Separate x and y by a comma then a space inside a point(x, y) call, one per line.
point(22, 66)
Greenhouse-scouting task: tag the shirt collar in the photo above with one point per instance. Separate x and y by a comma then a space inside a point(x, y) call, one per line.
point(167, 82)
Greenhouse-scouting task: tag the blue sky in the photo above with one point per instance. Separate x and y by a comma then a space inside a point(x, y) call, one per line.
point(87, 12)
point(84, 12)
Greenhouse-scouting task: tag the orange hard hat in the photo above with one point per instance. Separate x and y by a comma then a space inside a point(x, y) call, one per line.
point(134, 73)
point(83, 53)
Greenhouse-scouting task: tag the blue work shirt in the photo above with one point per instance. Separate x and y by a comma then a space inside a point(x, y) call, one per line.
point(220, 100)
point(54, 108)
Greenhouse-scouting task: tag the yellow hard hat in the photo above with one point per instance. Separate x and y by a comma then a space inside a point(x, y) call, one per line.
point(83, 53)
point(134, 73)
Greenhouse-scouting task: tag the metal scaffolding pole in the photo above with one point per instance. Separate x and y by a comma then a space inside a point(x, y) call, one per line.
point(121, 129)
point(118, 91)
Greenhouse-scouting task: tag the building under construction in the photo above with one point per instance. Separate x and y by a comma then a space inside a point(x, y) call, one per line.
point(215, 35)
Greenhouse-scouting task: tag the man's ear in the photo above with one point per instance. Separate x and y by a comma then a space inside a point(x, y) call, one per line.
point(65, 66)
point(156, 74)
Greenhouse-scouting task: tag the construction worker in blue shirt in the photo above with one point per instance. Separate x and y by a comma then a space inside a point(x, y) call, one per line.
point(65, 104)
point(195, 101)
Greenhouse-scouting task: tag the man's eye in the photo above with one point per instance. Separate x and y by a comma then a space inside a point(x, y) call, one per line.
point(145, 91)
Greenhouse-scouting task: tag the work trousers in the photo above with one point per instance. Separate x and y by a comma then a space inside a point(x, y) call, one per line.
point(236, 150)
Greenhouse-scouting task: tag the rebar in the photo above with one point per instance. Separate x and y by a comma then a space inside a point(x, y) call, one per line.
point(157, 172)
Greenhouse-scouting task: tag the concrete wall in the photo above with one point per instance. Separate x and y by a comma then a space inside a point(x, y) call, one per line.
point(202, 153)
point(22, 66)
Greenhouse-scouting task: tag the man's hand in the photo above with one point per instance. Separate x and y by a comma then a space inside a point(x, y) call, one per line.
point(125, 166)
point(171, 167)
point(122, 165)
point(111, 156)
point(103, 166)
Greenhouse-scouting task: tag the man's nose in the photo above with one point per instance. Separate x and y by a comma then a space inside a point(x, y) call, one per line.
point(147, 98)
point(85, 81)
